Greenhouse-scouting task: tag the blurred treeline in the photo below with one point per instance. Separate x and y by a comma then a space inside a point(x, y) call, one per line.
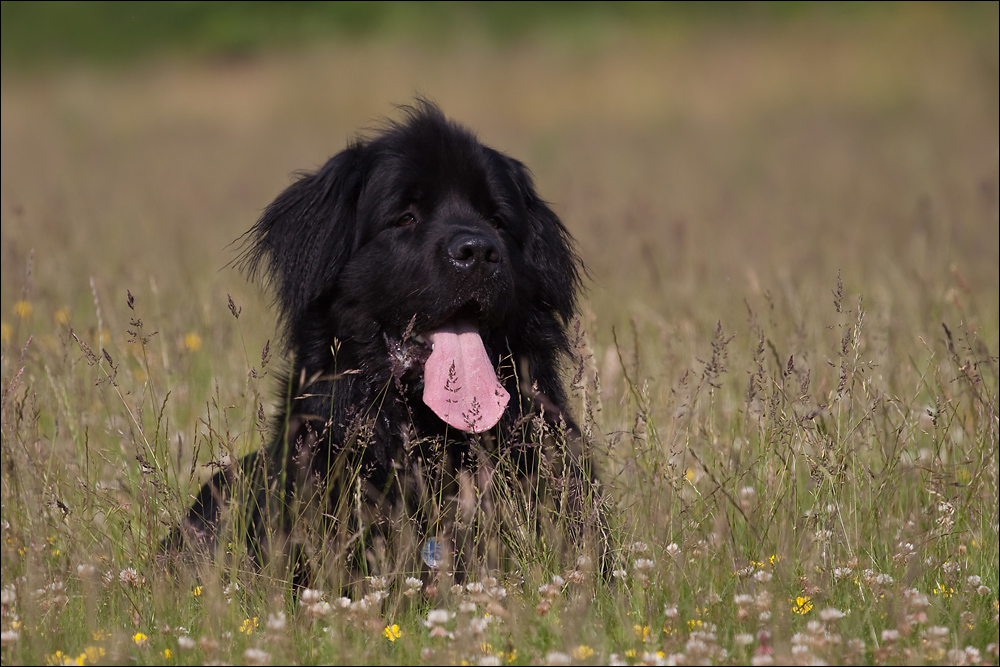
point(51, 34)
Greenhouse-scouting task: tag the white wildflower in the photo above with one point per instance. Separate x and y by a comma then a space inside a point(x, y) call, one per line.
point(478, 625)
point(437, 617)
point(319, 609)
point(131, 577)
point(276, 622)
point(557, 658)
point(310, 596)
point(829, 615)
point(644, 565)
point(255, 656)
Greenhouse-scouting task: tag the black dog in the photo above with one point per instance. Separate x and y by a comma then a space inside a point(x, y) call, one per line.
point(425, 291)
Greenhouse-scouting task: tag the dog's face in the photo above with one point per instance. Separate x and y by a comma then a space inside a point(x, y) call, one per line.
point(429, 250)
point(439, 235)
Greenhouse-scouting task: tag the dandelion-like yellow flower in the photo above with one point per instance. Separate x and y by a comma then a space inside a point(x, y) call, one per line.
point(392, 632)
point(582, 652)
point(6, 331)
point(139, 638)
point(802, 604)
point(196, 591)
point(192, 342)
point(23, 309)
point(642, 632)
point(689, 474)
point(167, 653)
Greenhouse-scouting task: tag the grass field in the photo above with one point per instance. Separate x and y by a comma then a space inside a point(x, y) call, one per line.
point(787, 348)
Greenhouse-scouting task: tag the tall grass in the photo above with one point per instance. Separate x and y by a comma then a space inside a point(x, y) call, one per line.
point(785, 366)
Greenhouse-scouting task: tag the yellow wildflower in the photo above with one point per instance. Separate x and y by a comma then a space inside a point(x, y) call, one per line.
point(249, 625)
point(139, 638)
point(802, 604)
point(23, 309)
point(61, 316)
point(392, 632)
point(6, 331)
point(582, 652)
point(93, 654)
point(192, 342)
point(642, 632)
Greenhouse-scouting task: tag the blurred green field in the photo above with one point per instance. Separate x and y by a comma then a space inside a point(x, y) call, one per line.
point(790, 331)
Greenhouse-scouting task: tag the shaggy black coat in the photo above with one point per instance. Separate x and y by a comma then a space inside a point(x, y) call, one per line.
point(394, 236)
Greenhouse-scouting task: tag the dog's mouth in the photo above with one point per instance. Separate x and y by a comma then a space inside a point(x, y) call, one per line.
point(460, 382)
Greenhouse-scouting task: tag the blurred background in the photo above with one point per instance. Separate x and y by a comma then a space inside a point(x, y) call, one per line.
point(705, 156)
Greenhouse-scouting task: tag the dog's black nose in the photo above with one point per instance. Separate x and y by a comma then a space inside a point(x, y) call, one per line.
point(474, 254)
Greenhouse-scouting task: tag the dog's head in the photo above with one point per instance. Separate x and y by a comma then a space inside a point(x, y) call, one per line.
point(416, 239)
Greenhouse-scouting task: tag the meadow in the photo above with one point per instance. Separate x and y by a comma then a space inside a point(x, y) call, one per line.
point(786, 357)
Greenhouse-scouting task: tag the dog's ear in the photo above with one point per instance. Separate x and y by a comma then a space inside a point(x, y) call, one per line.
point(548, 249)
point(306, 235)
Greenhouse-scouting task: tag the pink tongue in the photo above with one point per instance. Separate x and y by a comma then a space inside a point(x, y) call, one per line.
point(460, 384)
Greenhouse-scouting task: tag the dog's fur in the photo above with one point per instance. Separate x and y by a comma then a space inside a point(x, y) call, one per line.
point(417, 227)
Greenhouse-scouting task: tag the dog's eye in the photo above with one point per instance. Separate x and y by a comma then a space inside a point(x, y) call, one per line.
point(406, 219)
point(497, 222)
